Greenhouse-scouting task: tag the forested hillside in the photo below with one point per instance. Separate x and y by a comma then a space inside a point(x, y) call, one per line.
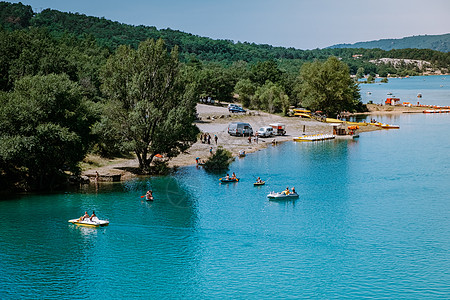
point(112, 34)
point(434, 42)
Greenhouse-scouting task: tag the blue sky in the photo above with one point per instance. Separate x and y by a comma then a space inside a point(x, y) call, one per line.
point(302, 24)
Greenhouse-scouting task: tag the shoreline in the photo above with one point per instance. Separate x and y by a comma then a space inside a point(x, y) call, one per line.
point(215, 119)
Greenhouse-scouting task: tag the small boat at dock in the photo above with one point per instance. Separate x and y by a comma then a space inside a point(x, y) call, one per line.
point(314, 137)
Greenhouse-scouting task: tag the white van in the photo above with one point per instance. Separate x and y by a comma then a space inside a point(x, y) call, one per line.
point(240, 128)
point(266, 131)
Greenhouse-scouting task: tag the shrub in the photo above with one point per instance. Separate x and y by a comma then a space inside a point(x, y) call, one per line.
point(219, 160)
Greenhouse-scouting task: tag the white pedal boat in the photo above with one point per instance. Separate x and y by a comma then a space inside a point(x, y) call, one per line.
point(95, 222)
point(278, 196)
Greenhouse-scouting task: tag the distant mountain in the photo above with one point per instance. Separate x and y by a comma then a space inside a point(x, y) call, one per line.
point(434, 42)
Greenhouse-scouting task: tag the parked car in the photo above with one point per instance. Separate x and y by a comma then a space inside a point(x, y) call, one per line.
point(266, 131)
point(235, 108)
point(240, 129)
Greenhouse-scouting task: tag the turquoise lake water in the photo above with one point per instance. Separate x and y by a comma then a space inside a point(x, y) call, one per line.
point(372, 221)
point(435, 90)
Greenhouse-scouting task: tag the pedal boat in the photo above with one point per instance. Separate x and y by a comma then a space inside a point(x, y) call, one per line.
point(96, 222)
point(279, 196)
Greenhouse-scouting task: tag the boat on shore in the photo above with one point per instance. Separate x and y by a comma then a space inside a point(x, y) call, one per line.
point(95, 222)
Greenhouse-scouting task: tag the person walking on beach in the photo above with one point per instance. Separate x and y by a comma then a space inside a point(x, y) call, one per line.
point(215, 138)
point(210, 151)
point(249, 139)
point(209, 139)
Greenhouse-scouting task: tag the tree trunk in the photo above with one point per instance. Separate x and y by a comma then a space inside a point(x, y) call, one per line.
point(140, 159)
point(144, 162)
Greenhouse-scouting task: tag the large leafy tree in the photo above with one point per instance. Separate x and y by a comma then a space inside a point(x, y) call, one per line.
point(216, 81)
point(266, 70)
point(44, 130)
point(245, 88)
point(271, 97)
point(154, 105)
point(328, 87)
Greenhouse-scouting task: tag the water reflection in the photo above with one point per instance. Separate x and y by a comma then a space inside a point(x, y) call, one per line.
point(85, 232)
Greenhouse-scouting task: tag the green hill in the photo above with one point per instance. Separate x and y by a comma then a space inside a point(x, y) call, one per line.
point(434, 42)
point(110, 34)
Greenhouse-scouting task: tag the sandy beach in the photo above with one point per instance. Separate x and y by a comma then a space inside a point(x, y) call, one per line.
point(214, 120)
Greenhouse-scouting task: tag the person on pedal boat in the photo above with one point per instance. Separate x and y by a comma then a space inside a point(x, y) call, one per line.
point(85, 217)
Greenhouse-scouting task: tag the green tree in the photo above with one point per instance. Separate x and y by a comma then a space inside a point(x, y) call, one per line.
point(245, 88)
point(154, 104)
point(266, 70)
point(272, 98)
point(44, 130)
point(15, 15)
point(217, 81)
point(328, 87)
point(360, 73)
point(220, 160)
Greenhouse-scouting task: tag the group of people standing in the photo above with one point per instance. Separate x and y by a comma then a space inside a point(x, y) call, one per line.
point(255, 139)
point(205, 138)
